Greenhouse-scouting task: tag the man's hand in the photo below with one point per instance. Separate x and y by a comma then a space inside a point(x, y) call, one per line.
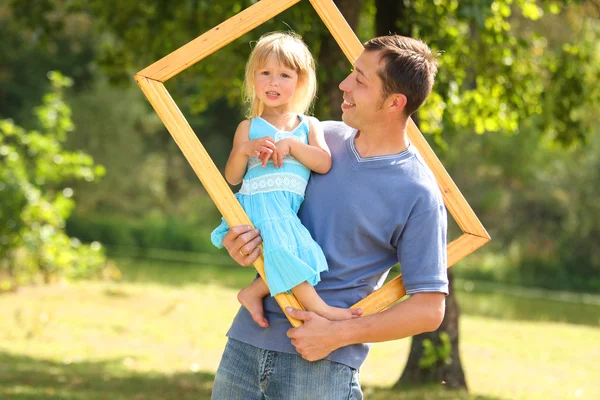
point(242, 243)
point(316, 338)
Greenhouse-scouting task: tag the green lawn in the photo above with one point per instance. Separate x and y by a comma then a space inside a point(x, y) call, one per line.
point(159, 334)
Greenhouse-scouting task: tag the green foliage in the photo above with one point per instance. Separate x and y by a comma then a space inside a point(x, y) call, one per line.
point(513, 116)
point(34, 201)
point(502, 64)
point(435, 355)
point(525, 73)
point(153, 232)
point(539, 206)
point(131, 35)
point(28, 53)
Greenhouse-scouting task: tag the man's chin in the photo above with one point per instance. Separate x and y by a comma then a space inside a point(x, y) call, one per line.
point(347, 120)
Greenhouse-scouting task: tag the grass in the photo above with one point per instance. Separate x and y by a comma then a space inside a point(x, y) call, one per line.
point(159, 334)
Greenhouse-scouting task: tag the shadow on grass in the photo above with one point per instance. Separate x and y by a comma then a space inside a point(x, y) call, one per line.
point(26, 378)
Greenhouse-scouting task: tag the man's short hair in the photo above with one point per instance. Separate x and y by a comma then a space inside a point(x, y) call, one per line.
point(410, 68)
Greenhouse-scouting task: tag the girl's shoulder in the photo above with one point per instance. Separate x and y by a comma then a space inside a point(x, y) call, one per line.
point(313, 124)
point(245, 124)
point(243, 128)
point(310, 119)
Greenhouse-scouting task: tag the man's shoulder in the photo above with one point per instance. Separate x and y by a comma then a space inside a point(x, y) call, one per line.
point(420, 182)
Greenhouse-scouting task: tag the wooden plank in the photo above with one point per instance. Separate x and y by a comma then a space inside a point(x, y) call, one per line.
point(394, 290)
point(382, 298)
point(453, 199)
point(214, 39)
point(205, 169)
point(463, 246)
point(339, 28)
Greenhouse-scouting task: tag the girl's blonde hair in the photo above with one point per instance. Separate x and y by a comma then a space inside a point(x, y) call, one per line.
point(291, 52)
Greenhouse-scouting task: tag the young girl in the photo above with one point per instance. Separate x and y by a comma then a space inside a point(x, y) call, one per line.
point(273, 153)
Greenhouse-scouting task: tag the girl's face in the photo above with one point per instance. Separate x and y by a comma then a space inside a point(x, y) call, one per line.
point(275, 84)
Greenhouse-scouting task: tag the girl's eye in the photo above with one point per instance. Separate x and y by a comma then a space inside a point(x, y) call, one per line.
point(285, 76)
point(265, 73)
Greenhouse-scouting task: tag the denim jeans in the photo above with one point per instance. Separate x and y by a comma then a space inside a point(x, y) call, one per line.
point(250, 373)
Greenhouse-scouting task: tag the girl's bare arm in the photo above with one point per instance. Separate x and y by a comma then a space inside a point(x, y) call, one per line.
point(242, 149)
point(315, 155)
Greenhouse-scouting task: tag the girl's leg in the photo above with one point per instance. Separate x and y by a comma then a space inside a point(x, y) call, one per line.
point(310, 299)
point(251, 297)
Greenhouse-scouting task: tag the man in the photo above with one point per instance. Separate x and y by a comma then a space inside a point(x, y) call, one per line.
point(378, 205)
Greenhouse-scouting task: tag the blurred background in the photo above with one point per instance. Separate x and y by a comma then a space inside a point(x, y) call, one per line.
point(109, 286)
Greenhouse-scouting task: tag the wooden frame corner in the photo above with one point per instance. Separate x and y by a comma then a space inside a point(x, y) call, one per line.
point(151, 80)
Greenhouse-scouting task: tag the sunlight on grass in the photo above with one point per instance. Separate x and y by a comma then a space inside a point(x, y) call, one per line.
point(155, 336)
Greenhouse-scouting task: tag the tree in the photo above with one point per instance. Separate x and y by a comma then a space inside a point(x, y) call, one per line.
point(494, 70)
point(34, 200)
point(332, 64)
point(130, 36)
point(516, 82)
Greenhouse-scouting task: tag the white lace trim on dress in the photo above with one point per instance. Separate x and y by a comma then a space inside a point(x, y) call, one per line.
point(274, 182)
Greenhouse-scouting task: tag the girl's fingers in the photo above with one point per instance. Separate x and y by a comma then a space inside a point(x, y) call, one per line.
point(266, 155)
point(268, 142)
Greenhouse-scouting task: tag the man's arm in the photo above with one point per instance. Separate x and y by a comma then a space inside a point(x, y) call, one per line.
point(317, 337)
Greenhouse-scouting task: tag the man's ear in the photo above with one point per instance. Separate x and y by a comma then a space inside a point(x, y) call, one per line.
point(397, 102)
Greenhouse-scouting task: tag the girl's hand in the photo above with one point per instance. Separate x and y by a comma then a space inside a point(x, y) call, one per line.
point(282, 149)
point(264, 158)
point(258, 147)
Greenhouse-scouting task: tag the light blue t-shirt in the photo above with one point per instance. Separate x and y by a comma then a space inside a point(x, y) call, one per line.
point(367, 214)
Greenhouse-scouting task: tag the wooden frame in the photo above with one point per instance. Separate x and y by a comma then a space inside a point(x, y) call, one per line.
point(151, 80)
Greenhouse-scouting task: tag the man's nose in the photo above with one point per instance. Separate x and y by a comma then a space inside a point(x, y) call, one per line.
point(344, 87)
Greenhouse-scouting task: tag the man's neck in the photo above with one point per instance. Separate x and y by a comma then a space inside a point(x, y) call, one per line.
point(382, 139)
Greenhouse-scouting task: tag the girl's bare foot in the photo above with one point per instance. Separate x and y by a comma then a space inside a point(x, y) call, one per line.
point(251, 298)
point(339, 314)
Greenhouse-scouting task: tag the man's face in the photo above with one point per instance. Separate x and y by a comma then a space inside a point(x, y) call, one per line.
point(363, 92)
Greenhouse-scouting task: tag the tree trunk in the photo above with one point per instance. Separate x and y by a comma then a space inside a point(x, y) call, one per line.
point(388, 18)
point(446, 371)
point(332, 64)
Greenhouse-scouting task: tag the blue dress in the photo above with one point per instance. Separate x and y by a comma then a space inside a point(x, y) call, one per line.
point(272, 197)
